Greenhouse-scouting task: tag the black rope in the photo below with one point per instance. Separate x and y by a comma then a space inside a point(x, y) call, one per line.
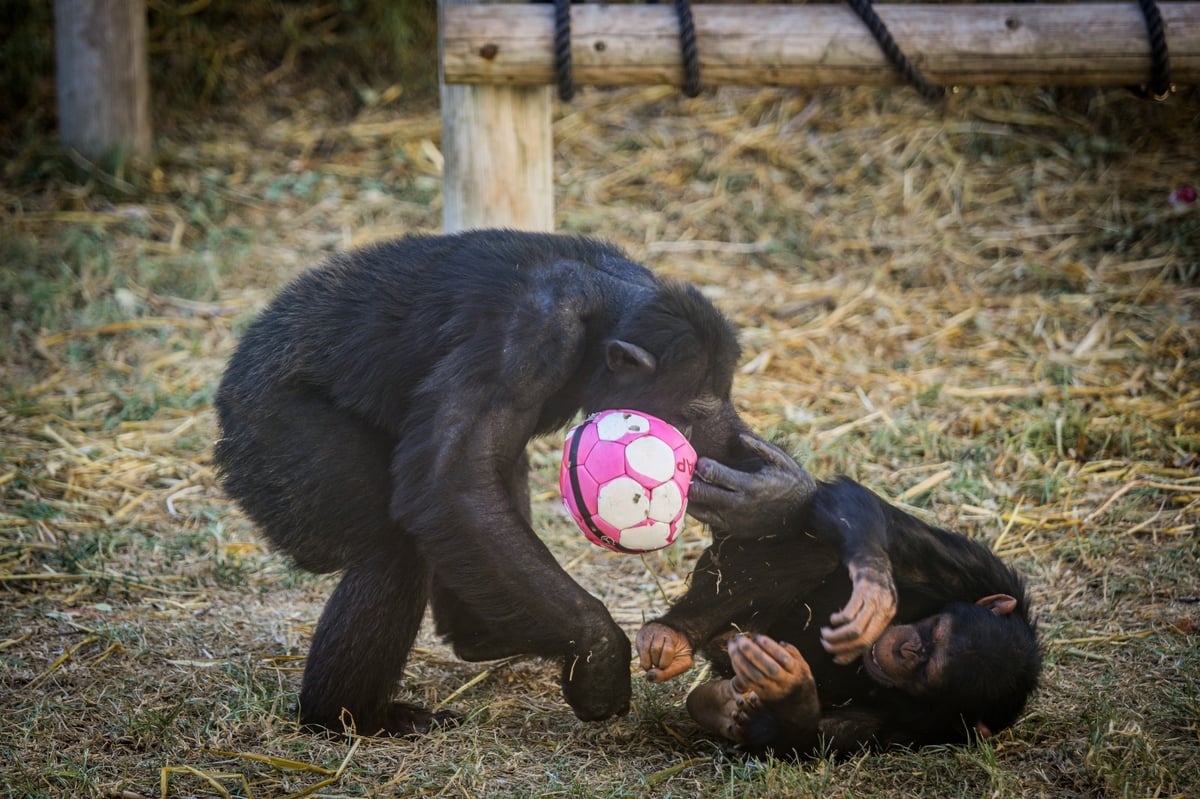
point(1159, 86)
point(562, 49)
point(687, 42)
point(866, 12)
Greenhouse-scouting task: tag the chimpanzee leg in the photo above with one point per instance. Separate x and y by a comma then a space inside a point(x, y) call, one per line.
point(518, 488)
point(361, 645)
point(473, 637)
point(537, 610)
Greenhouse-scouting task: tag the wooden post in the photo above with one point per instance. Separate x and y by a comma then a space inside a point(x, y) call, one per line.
point(497, 146)
point(103, 76)
point(1038, 44)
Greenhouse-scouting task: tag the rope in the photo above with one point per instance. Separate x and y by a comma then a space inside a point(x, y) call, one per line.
point(687, 42)
point(1159, 86)
point(866, 12)
point(562, 49)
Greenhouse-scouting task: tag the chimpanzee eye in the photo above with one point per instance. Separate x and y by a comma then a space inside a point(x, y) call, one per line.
point(702, 408)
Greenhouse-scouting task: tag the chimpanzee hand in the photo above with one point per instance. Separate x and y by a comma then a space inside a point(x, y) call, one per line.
point(595, 678)
point(871, 608)
point(766, 670)
point(663, 652)
point(772, 693)
point(750, 504)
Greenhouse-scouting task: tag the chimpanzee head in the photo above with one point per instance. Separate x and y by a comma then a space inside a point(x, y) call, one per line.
point(975, 664)
point(672, 355)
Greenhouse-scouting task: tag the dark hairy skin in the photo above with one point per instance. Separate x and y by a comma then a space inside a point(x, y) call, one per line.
point(374, 421)
point(958, 658)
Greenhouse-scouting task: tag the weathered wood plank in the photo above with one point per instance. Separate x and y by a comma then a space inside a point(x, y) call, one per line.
point(1091, 44)
point(498, 150)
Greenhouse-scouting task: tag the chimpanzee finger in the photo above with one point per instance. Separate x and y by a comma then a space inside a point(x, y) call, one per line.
point(649, 647)
point(747, 705)
point(673, 669)
point(844, 654)
point(845, 618)
point(769, 669)
point(706, 510)
point(751, 665)
point(783, 654)
point(839, 637)
point(735, 480)
point(864, 618)
point(845, 643)
point(711, 497)
point(652, 657)
point(771, 454)
point(715, 473)
point(663, 652)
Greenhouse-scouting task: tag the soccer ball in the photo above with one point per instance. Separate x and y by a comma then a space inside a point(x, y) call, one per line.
point(624, 480)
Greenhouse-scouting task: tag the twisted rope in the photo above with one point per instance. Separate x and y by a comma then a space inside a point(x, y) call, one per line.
point(687, 42)
point(892, 51)
point(1159, 86)
point(562, 50)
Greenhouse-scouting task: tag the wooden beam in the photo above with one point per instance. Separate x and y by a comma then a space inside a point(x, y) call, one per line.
point(1088, 44)
point(103, 76)
point(498, 150)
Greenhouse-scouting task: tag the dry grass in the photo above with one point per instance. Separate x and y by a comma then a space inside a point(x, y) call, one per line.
point(987, 312)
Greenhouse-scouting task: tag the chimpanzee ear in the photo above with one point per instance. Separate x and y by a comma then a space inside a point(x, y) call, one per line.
point(983, 730)
point(626, 357)
point(1000, 604)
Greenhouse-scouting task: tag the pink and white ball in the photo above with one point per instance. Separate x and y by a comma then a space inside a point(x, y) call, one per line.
point(624, 479)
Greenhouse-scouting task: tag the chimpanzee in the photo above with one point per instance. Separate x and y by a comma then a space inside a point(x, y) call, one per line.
point(960, 660)
point(374, 421)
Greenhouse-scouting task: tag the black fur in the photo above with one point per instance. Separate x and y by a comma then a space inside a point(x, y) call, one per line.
point(374, 418)
point(787, 585)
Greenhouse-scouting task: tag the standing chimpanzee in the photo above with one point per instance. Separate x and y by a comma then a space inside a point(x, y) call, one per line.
point(374, 421)
point(961, 659)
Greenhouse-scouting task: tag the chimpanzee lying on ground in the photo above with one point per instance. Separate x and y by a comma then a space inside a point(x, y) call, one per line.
point(961, 658)
point(374, 421)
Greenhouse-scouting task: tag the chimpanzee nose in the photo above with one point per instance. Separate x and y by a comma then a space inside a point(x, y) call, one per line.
point(910, 649)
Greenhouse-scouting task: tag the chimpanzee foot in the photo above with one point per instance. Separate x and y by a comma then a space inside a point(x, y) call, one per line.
point(596, 680)
point(720, 708)
point(406, 719)
point(399, 719)
point(477, 648)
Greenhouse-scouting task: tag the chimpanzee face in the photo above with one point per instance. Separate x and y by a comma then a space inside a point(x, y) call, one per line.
point(950, 654)
point(690, 391)
point(913, 658)
point(711, 424)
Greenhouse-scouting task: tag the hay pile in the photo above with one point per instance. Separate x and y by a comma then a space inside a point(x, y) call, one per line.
point(986, 312)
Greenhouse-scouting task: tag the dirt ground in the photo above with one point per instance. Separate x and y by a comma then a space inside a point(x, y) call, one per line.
point(986, 311)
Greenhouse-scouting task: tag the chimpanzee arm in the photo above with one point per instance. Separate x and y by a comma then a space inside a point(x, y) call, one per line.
point(778, 706)
point(764, 502)
point(719, 597)
point(846, 731)
point(771, 706)
point(480, 404)
point(928, 561)
point(787, 728)
point(781, 499)
point(735, 585)
point(856, 518)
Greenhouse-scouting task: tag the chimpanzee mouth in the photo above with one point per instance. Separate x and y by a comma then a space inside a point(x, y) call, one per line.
point(874, 670)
